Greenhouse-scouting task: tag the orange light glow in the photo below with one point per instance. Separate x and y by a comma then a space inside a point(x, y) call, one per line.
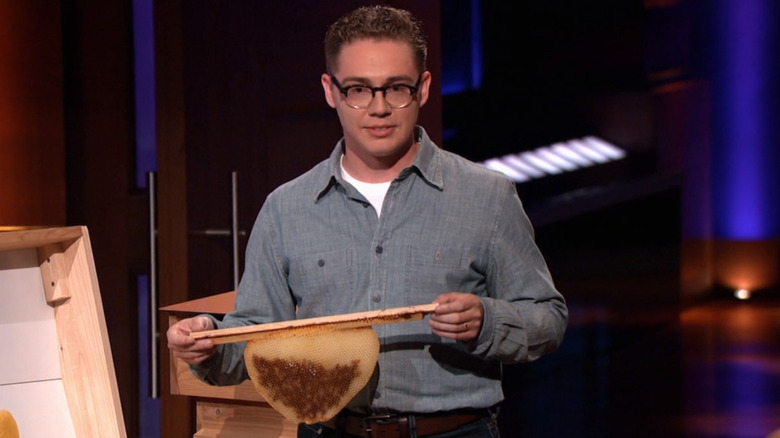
point(750, 265)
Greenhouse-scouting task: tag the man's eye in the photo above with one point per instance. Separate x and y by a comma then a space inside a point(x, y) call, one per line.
point(359, 90)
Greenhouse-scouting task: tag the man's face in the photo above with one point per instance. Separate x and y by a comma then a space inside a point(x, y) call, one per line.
point(379, 132)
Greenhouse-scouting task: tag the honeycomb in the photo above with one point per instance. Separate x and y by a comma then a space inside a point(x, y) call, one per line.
point(8, 427)
point(309, 374)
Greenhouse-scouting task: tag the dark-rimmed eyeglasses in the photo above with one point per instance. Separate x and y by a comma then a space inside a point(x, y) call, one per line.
point(360, 96)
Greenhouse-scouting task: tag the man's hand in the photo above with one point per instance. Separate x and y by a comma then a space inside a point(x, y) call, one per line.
point(458, 316)
point(184, 346)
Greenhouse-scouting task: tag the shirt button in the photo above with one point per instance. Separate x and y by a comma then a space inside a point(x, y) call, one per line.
point(379, 250)
point(376, 298)
point(320, 263)
point(377, 395)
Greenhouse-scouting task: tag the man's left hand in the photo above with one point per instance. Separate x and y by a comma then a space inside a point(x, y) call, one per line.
point(458, 316)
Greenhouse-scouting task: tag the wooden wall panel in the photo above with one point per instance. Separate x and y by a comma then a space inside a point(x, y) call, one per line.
point(101, 193)
point(32, 144)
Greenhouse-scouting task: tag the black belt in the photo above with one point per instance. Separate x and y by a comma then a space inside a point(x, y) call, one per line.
point(400, 425)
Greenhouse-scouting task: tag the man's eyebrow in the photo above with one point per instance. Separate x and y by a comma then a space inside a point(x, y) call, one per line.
point(365, 81)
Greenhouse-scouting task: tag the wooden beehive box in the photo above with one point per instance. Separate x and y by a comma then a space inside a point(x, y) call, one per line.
point(56, 371)
point(236, 411)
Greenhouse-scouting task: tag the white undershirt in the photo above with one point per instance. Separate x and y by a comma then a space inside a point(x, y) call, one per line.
point(374, 192)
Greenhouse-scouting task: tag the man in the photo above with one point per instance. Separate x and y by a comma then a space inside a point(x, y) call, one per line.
point(391, 220)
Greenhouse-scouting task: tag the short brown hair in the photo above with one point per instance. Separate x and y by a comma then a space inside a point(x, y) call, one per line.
point(375, 22)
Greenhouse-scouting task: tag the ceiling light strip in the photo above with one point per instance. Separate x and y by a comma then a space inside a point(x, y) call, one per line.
point(588, 151)
point(500, 166)
point(556, 158)
point(517, 162)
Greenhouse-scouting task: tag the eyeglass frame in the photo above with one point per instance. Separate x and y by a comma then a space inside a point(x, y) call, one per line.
point(344, 90)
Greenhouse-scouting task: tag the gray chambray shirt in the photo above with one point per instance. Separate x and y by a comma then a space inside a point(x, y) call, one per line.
point(447, 225)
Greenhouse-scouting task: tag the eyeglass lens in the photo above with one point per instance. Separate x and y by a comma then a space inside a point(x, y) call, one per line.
point(395, 95)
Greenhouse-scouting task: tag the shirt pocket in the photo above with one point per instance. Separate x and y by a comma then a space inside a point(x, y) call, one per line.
point(434, 271)
point(323, 281)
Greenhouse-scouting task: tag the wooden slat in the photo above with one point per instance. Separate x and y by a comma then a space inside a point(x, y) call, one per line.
point(335, 322)
point(214, 304)
point(28, 237)
point(242, 421)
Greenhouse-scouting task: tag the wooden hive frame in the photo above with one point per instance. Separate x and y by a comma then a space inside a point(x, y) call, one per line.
point(70, 285)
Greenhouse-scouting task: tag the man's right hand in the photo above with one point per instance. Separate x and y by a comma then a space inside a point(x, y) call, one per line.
point(184, 346)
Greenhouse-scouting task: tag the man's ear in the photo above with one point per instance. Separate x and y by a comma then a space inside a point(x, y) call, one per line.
point(425, 86)
point(327, 87)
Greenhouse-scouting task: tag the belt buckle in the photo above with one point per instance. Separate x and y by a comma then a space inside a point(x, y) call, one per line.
point(380, 420)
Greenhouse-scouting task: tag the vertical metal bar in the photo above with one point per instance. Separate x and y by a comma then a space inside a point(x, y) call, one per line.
point(234, 184)
point(153, 284)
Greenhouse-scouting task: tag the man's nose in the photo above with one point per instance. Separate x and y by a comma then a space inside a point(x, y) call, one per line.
point(378, 103)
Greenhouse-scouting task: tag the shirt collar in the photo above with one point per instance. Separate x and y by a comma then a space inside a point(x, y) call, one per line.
point(427, 164)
